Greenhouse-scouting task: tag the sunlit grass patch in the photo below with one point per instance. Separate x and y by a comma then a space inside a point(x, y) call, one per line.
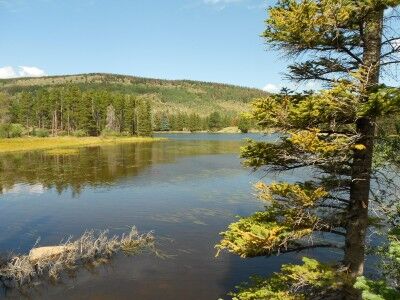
point(34, 143)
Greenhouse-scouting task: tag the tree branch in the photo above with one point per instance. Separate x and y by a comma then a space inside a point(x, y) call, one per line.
point(315, 246)
point(351, 54)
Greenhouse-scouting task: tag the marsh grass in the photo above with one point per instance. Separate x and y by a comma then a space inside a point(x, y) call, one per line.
point(88, 251)
point(34, 143)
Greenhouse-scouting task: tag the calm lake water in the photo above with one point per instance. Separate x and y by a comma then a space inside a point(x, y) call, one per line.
point(186, 190)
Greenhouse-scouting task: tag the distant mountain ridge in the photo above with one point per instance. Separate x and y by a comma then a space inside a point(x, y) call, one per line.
point(166, 95)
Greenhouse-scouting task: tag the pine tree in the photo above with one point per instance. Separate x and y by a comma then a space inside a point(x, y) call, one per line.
point(214, 121)
point(332, 135)
point(181, 121)
point(172, 122)
point(144, 119)
point(4, 108)
point(194, 123)
point(131, 117)
point(165, 126)
point(119, 103)
point(157, 122)
point(87, 114)
point(244, 123)
point(54, 97)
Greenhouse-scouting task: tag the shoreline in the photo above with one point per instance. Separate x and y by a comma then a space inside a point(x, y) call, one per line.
point(226, 130)
point(212, 132)
point(49, 143)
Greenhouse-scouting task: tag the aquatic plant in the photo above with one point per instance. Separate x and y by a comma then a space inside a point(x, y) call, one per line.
point(90, 249)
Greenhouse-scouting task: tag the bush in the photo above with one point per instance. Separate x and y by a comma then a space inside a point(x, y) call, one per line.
point(40, 132)
point(4, 130)
point(16, 130)
point(11, 130)
point(125, 133)
point(62, 133)
point(244, 123)
point(110, 133)
point(79, 133)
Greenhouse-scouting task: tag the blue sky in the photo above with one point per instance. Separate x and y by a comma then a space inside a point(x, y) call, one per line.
point(209, 40)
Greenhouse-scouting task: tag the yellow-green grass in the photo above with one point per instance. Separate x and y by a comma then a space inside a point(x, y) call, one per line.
point(33, 143)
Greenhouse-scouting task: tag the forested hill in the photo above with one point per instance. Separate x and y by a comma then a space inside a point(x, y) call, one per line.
point(170, 96)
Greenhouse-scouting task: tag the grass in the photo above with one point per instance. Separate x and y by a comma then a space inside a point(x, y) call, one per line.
point(52, 143)
point(90, 249)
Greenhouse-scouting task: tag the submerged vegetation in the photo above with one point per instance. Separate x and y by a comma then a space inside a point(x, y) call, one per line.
point(51, 262)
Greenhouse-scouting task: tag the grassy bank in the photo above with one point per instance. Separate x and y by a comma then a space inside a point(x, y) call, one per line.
point(33, 143)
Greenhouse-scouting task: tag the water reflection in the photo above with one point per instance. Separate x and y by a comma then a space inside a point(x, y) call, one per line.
point(186, 190)
point(33, 172)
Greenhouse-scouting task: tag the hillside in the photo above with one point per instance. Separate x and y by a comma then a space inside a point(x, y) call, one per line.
point(166, 95)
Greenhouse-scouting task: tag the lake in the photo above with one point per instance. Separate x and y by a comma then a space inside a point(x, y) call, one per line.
point(186, 190)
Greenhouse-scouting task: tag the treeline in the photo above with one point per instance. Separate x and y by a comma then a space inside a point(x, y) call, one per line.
point(70, 110)
point(194, 122)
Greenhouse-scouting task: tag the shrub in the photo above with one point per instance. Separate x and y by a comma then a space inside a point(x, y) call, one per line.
point(11, 130)
point(244, 123)
point(62, 133)
point(40, 132)
point(4, 130)
point(79, 133)
point(110, 133)
point(125, 133)
point(16, 130)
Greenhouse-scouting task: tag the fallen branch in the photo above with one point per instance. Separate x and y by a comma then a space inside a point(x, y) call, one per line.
point(89, 249)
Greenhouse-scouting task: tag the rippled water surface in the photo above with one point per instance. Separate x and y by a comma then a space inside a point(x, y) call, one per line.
point(186, 189)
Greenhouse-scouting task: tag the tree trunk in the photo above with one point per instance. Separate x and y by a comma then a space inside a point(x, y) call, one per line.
point(357, 221)
point(56, 121)
point(61, 116)
point(68, 123)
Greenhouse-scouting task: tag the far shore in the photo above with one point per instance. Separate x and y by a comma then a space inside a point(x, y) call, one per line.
point(48, 143)
point(233, 130)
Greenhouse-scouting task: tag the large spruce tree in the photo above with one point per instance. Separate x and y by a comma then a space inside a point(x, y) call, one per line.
point(144, 119)
point(331, 136)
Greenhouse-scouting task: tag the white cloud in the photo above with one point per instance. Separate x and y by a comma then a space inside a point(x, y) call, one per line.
point(21, 71)
point(7, 72)
point(25, 71)
point(272, 88)
point(297, 87)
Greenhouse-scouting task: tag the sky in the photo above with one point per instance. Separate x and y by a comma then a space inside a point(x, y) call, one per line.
point(207, 40)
